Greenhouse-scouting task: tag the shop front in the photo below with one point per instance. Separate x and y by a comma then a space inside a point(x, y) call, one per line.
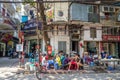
point(111, 44)
point(92, 47)
point(30, 45)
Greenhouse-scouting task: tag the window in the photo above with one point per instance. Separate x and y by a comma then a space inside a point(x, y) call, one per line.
point(61, 30)
point(115, 31)
point(110, 31)
point(106, 9)
point(104, 31)
point(93, 32)
point(111, 9)
point(62, 46)
point(92, 9)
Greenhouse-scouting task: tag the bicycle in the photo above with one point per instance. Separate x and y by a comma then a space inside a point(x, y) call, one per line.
point(40, 70)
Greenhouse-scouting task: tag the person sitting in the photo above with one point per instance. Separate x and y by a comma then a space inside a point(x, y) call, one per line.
point(103, 54)
point(72, 64)
point(50, 62)
point(86, 58)
point(65, 62)
point(44, 61)
point(57, 63)
point(78, 60)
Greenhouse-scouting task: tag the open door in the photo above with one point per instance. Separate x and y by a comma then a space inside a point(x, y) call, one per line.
point(75, 46)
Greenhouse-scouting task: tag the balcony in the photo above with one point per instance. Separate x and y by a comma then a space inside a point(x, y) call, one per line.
point(93, 17)
point(108, 19)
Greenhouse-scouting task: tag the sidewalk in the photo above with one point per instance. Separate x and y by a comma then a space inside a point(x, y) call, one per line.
point(9, 67)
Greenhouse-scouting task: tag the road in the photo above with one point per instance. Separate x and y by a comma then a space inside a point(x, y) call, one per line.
point(9, 70)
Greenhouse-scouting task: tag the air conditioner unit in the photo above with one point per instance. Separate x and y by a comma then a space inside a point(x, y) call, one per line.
point(108, 9)
point(60, 16)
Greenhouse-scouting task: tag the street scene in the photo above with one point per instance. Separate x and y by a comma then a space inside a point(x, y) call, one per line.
point(59, 40)
point(9, 70)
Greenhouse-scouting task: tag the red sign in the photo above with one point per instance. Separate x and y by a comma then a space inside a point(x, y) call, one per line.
point(110, 38)
point(49, 49)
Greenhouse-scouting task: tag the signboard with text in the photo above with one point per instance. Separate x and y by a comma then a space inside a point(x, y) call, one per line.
point(19, 47)
point(31, 24)
point(110, 38)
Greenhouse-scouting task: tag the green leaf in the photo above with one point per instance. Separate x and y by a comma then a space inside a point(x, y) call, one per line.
point(26, 2)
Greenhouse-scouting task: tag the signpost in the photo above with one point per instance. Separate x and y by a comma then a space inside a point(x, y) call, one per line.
point(20, 47)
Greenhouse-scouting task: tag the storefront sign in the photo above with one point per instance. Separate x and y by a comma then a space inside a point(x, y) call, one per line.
point(31, 24)
point(110, 38)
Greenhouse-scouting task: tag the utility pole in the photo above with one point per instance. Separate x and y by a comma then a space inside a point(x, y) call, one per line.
point(21, 46)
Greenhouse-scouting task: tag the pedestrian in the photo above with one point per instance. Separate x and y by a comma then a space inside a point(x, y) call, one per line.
point(103, 54)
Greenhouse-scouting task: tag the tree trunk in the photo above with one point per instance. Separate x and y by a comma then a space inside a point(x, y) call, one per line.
point(41, 10)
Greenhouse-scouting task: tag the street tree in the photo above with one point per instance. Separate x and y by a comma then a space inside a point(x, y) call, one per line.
point(39, 6)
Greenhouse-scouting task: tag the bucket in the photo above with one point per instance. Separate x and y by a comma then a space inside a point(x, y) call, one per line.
point(32, 67)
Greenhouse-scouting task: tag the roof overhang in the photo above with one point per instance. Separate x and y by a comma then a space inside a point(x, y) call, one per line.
point(100, 2)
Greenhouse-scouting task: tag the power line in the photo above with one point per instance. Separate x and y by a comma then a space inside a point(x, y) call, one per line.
point(39, 1)
point(64, 1)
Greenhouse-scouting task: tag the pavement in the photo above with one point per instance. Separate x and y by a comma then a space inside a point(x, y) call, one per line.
point(9, 70)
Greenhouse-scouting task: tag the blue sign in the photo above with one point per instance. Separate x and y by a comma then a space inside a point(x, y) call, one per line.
point(24, 18)
point(31, 25)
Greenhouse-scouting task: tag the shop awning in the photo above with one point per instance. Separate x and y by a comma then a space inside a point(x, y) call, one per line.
point(4, 26)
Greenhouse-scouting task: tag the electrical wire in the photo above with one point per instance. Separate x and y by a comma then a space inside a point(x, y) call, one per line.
point(101, 2)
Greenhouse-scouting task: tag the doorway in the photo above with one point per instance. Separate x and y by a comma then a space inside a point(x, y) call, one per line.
point(119, 50)
point(75, 46)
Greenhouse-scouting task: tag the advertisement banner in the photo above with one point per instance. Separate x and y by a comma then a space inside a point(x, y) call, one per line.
point(110, 38)
point(31, 24)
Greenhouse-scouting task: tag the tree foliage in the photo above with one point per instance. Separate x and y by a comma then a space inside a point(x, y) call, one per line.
point(41, 10)
point(31, 4)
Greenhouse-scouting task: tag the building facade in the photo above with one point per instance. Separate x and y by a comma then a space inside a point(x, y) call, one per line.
point(8, 27)
point(82, 27)
point(90, 22)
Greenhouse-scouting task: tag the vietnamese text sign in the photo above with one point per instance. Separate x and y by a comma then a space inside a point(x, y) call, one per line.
point(19, 47)
point(110, 38)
